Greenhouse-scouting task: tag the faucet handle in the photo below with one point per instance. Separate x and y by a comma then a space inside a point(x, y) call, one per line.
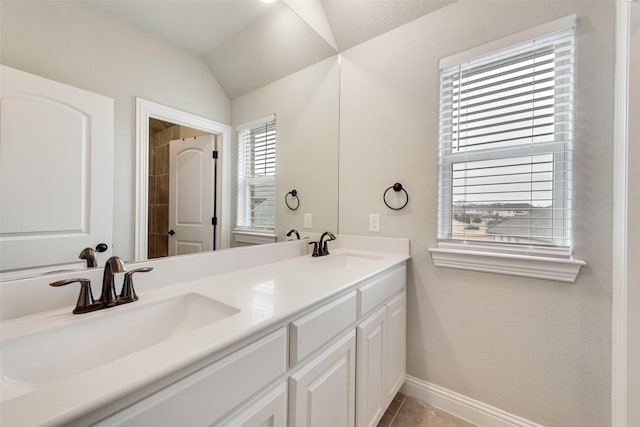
point(315, 249)
point(85, 302)
point(128, 293)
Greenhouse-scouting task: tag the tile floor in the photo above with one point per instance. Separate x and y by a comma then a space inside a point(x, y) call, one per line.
point(406, 411)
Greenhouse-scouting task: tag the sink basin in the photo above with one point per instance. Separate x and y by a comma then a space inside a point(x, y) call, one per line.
point(348, 260)
point(48, 356)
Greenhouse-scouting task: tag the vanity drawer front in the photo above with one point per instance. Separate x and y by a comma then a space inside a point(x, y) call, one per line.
point(313, 330)
point(205, 396)
point(381, 289)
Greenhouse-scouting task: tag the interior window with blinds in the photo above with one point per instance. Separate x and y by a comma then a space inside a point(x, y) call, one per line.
point(257, 177)
point(506, 138)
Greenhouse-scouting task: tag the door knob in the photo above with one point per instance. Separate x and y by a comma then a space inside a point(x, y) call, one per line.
point(171, 233)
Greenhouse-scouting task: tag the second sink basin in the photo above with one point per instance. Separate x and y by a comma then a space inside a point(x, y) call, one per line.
point(52, 355)
point(347, 259)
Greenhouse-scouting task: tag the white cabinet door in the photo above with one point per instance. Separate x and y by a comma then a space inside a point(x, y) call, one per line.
point(322, 392)
point(269, 410)
point(371, 397)
point(381, 363)
point(56, 171)
point(396, 323)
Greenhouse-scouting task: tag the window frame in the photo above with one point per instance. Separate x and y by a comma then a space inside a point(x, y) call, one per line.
point(251, 233)
point(540, 261)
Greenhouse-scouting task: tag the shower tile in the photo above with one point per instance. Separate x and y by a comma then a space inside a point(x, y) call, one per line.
point(163, 189)
point(152, 161)
point(162, 160)
point(151, 246)
point(157, 219)
point(162, 249)
point(164, 137)
point(153, 189)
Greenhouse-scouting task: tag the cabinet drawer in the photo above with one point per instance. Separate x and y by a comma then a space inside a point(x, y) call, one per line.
point(378, 291)
point(313, 330)
point(208, 394)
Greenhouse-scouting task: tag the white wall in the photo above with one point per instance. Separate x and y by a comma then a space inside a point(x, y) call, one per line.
point(633, 213)
point(75, 43)
point(306, 107)
point(535, 348)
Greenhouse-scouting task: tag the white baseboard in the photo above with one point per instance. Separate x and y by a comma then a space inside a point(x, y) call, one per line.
point(461, 406)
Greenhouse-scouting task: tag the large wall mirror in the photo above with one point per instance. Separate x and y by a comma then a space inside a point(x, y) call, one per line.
point(227, 61)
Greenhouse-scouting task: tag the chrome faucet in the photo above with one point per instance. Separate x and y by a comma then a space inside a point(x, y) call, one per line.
point(108, 296)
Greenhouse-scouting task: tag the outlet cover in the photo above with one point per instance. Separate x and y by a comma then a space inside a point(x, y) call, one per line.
point(307, 221)
point(374, 223)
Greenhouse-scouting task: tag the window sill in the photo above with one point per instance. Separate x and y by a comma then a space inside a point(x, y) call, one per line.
point(539, 267)
point(253, 236)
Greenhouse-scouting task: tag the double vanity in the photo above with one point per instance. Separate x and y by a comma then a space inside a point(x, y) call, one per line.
point(277, 338)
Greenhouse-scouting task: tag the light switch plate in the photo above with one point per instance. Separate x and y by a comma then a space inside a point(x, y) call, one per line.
point(307, 221)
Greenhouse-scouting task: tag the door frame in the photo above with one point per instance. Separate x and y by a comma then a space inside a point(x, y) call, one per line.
point(625, 334)
point(146, 110)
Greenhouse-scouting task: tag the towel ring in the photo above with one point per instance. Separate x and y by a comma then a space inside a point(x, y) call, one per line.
point(397, 187)
point(294, 196)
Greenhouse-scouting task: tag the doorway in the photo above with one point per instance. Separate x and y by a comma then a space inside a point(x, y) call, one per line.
point(181, 190)
point(166, 117)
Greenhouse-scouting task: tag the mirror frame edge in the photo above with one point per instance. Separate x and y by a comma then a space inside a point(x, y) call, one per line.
point(146, 110)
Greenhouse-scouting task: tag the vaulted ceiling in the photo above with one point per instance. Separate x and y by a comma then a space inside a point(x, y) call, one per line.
point(249, 43)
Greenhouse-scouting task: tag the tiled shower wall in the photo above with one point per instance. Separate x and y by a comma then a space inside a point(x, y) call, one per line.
point(158, 242)
point(158, 239)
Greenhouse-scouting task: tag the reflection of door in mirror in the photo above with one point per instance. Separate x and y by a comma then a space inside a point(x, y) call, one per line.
point(191, 195)
point(56, 168)
point(180, 190)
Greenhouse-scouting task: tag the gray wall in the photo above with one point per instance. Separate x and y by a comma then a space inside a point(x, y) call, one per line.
point(535, 348)
point(73, 43)
point(307, 107)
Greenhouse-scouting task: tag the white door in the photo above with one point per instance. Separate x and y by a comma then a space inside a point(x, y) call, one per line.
point(191, 195)
point(371, 369)
point(322, 393)
point(56, 171)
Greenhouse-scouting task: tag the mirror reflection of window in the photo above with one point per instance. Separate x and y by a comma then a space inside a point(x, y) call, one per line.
point(256, 196)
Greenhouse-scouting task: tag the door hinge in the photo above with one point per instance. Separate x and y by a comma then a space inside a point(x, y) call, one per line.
point(214, 220)
point(215, 154)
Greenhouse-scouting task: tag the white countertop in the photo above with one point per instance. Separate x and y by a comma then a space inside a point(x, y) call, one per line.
point(267, 296)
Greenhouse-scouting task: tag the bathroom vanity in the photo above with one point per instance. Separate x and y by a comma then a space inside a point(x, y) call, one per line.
point(300, 341)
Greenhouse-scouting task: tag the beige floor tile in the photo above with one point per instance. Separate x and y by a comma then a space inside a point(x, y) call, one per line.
point(392, 410)
point(412, 412)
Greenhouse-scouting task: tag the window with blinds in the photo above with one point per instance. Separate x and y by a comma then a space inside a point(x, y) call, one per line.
point(256, 208)
point(506, 137)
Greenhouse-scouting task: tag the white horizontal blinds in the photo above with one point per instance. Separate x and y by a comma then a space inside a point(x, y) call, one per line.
point(506, 136)
point(257, 177)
